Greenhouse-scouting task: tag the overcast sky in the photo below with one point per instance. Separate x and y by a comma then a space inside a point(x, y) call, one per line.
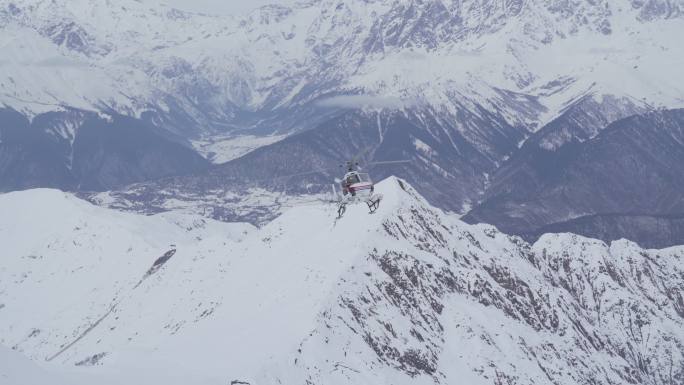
point(222, 6)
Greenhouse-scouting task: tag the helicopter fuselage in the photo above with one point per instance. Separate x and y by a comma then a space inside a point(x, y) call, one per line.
point(355, 182)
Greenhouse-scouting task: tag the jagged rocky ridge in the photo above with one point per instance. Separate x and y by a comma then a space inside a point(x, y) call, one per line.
point(408, 295)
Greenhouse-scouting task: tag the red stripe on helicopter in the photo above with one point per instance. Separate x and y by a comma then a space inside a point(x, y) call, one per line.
point(360, 186)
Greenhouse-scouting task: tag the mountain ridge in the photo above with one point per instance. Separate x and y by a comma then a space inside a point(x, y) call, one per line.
point(392, 297)
point(249, 74)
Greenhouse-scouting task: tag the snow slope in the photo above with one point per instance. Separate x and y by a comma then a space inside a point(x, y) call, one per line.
point(19, 370)
point(407, 295)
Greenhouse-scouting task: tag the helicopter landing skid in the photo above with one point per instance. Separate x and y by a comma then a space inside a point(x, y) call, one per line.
point(373, 203)
point(341, 208)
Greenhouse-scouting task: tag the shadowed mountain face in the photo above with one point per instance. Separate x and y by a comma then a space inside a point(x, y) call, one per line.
point(446, 160)
point(541, 156)
point(29, 157)
point(125, 150)
point(76, 150)
point(650, 230)
point(625, 182)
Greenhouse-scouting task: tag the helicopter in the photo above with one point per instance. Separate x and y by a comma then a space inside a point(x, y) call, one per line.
point(354, 186)
point(357, 186)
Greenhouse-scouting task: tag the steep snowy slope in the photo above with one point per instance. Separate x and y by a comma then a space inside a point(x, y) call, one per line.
point(406, 296)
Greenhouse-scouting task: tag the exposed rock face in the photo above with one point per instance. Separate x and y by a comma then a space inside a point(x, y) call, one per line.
point(436, 313)
point(654, 9)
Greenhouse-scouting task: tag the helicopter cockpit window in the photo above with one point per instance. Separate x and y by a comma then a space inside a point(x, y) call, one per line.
point(351, 179)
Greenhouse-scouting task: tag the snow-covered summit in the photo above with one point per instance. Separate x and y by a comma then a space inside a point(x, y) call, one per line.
point(406, 295)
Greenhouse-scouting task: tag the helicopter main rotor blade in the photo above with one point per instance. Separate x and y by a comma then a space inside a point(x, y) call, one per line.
point(361, 153)
point(303, 173)
point(319, 171)
point(389, 162)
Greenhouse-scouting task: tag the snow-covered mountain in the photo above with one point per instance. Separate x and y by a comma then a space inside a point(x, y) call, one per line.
point(223, 72)
point(460, 84)
point(408, 295)
point(98, 94)
point(459, 88)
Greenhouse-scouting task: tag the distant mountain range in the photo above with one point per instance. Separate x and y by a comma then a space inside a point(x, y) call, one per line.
point(275, 68)
point(626, 181)
point(464, 90)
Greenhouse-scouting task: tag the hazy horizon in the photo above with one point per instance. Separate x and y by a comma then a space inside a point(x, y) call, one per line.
point(227, 7)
